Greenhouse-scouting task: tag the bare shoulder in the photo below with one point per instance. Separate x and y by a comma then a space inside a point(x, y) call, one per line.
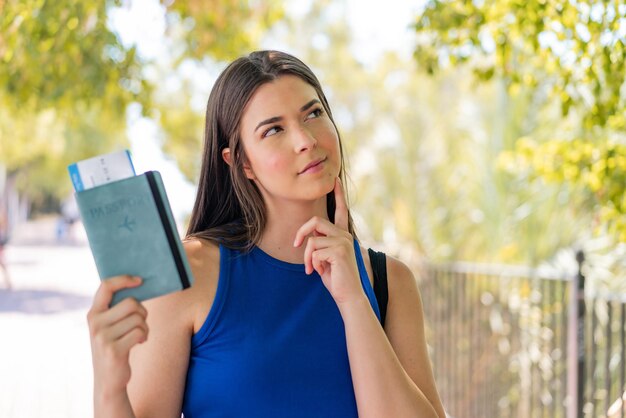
point(199, 249)
point(405, 305)
point(191, 306)
point(399, 275)
point(203, 257)
point(204, 260)
point(400, 278)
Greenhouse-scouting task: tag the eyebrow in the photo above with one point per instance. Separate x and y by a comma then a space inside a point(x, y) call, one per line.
point(309, 104)
point(279, 118)
point(268, 121)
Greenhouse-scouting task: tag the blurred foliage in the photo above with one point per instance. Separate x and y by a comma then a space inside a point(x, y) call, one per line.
point(67, 79)
point(598, 167)
point(576, 50)
point(184, 126)
point(420, 153)
point(225, 28)
point(62, 55)
point(448, 195)
point(563, 53)
point(36, 147)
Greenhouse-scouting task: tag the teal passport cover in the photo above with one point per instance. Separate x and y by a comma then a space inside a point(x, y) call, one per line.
point(131, 230)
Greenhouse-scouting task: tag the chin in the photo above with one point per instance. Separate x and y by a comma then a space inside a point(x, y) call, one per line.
point(321, 191)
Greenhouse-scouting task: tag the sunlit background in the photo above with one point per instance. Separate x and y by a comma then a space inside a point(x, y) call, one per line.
point(486, 147)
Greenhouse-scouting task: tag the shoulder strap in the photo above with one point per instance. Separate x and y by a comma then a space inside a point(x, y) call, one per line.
point(378, 261)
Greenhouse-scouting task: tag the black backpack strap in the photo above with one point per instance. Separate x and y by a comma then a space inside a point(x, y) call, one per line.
point(378, 260)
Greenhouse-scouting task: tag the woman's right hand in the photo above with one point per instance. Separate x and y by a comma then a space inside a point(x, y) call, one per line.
point(113, 332)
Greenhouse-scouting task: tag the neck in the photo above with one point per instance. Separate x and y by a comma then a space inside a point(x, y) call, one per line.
point(283, 222)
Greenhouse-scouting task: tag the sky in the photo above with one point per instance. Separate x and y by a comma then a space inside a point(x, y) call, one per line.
point(375, 29)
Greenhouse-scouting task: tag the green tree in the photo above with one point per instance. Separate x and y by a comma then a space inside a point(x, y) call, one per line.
point(66, 79)
point(569, 57)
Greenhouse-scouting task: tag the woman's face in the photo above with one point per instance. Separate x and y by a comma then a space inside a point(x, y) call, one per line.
point(290, 142)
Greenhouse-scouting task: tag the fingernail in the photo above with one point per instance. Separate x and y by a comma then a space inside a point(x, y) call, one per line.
point(136, 279)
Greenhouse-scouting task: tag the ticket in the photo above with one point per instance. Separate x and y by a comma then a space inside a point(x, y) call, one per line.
point(102, 169)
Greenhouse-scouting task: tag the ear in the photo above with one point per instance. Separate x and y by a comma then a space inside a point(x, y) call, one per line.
point(228, 159)
point(226, 156)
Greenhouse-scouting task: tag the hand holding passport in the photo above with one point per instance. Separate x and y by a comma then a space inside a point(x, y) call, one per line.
point(130, 226)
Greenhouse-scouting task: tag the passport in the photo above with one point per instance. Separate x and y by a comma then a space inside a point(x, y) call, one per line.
point(131, 230)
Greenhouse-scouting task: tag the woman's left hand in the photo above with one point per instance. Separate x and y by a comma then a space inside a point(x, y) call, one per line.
point(330, 251)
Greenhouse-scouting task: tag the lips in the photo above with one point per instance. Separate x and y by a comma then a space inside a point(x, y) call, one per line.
point(312, 164)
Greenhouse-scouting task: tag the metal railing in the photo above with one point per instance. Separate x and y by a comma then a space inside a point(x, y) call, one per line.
point(518, 342)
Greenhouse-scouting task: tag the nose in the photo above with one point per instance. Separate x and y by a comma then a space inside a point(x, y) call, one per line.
point(304, 139)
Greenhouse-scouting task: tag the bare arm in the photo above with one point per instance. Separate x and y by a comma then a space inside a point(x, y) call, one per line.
point(158, 358)
point(159, 366)
point(391, 371)
point(391, 376)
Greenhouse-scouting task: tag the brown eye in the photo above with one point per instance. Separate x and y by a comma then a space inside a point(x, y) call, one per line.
point(271, 131)
point(315, 113)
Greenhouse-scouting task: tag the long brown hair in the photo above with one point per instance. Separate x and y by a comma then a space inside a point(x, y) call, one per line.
point(229, 208)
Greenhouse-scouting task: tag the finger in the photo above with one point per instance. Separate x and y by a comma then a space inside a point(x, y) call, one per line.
point(318, 263)
point(132, 338)
point(322, 259)
point(313, 244)
point(341, 206)
point(108, 287)
point(125, 308)
point(123, 327)
point(318, 225)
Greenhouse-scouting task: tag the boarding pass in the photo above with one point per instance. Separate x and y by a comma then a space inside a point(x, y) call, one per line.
point(102, 169)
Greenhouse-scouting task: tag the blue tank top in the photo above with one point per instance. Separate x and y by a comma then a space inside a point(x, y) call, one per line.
point(273, 344)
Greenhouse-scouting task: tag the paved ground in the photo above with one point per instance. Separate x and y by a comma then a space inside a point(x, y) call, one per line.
point(45, 361)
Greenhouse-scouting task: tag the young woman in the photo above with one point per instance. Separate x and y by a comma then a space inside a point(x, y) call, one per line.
point(281, 320)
